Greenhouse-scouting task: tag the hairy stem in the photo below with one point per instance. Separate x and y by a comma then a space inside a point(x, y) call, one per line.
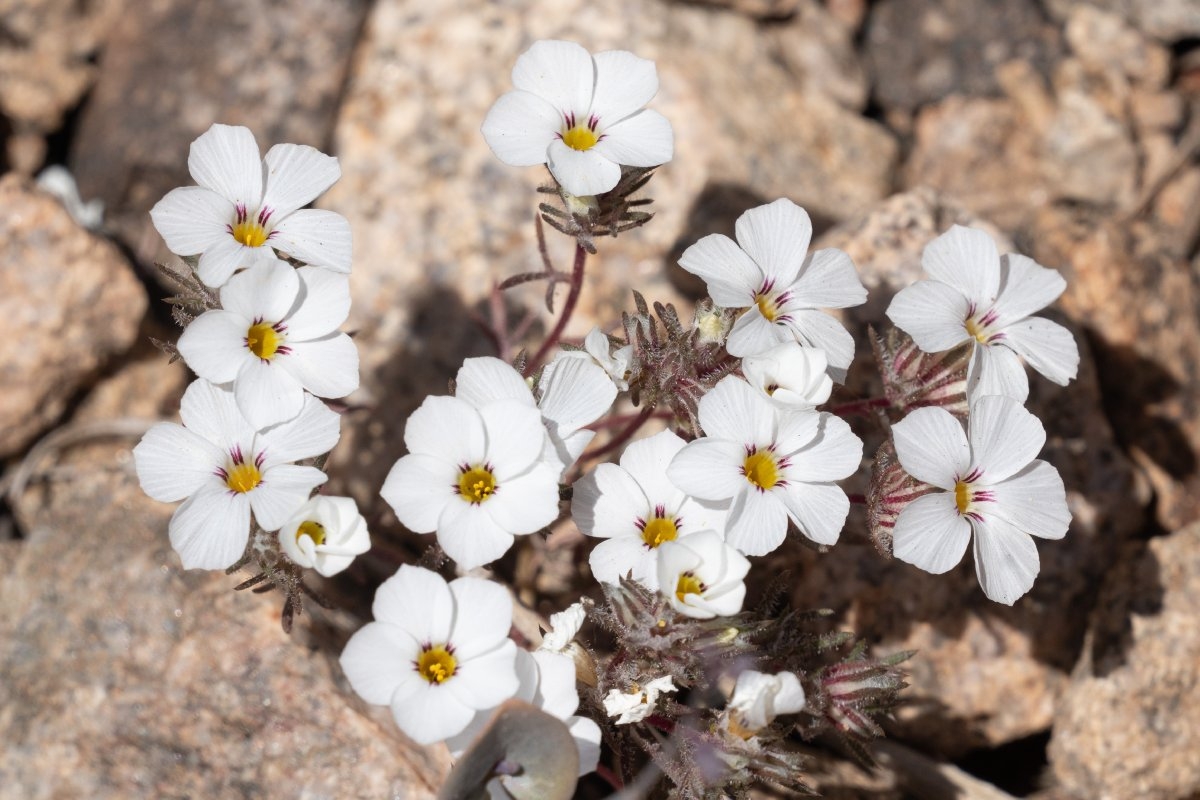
point(568, 309)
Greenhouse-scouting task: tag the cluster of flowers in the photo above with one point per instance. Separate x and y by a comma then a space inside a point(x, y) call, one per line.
point(683, 510)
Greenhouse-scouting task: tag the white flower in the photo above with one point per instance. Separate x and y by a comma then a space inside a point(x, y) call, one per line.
point(574, 394)
point(759, 698)
point(275, 336)
point(790, 375)
point(771, 274)
point(772, 464)
point(702, 576)
point(325, 534)
point(563, 627)
point(639, 703)
point(635, 508)
point(977, 296)
point(245, 206)
point(581, 115)
point(436, 653)
point(547, 681)
point(993, 486)
point(597, 347)
point(473, 475)
point(225, 469)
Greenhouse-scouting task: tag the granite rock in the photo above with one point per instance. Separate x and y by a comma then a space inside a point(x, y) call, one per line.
point(69, 303)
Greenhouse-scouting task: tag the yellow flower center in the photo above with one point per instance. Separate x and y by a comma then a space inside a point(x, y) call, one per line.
point(435, 664)
point(263, 340)
point(659, 530)
point(581, 137)
point(688, 584)
point(243, 477)
point(313, 530)
point(977, 330)
point(250, 233)
point(767, 307)
point(761, 470)
point(962, 496)
point(476, 485)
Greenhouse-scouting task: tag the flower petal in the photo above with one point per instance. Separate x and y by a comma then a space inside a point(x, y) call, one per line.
point(419, 602)
point(562, 73)
point(758, 522)
point(225, 159)
point(225, 257)
point(818, 509)
point(446, 427)
point(265, 292)
point(487, 679)
point(515, 437)
point(214, 345)
point(1034, 501)
point(732, 276)
point(327, 367)
point(820, 330)
point(710, 469)
point(1025, 287)
point(933, 313)
point(607, 502)
point(587, 740)
point(732, 410)
point(321, 304)
point(624, 83)
point(210, 411)
point(519, 128)
point(1006, 560)
point(317, 237)
point(932, 447)
point(267, 394)
point(1005, 438)
point(615, 558)
point(930, 533)
point(283, 490)
point(776, 236)
point(173, 462)
point(295, 175)
point(578, 393)
point(527, 503)
point(315, 430)
point(752, 334)
point(192, 219)
point(642, 140)
point(996, 370)
point(1046, 346)
point(482, 616)
point(417, 487)
point(966, 259)
point(210, 530)
point(378, 660)
point(470, 536)
point(487, 379)
point(581, 172)
point(828, 280)
point(430, 714)
point(834, 453)
point(646, 461)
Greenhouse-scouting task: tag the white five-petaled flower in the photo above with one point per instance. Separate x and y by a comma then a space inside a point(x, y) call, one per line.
point(638, 703)
point(437, 653)
point(275, 336)
point(768, 271)
point(476, 476)
point(547, 681)
point(977, 296)
point(790, 375)
point(994, 485)
point(581, 115)
point(635, 509)
point(758, 698)
point(325, 534)
point(771, 464)
point(246, 206)
point(225, 469)
point(702, 576)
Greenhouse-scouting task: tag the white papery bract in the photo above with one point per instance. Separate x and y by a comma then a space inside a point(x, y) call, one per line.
point(325, 534)
point(547, 681)
point(639, 703)
point(247, 207)
point(759, 697)
point(994, 485)
point(274, 337)
point(702, 576)
point(977, 296)
point(576, 392)
point(581, 115)
point(476, 476)
point(771, 465)
point(790, 375)
point(768, 270)
point(635, 508)
point(437, 653)
point(225, 469)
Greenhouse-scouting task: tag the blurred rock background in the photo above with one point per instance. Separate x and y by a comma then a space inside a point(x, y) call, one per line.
point(1070, 129)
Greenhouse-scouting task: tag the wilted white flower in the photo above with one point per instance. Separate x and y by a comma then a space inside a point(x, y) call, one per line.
point(563, 627)
point(977, 296)
point(994, 486)
point(790, 375)
point(758, 698)
point(437, 653)
point(476, 476)
point(325, 534)
point(702, 577)
point(225, 469)
point(581, 115)
point(635, 508)
point(768, 271)
point(275, 336)
point(245, 207)
point(771, 465)
point(638, 703)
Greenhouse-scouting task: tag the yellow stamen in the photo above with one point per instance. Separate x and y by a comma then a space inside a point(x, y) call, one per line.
point(767, 307)
point(659, 530)
point(250, 233)
point(243, 477)
point(688, 584)
point(435, 664)
point(581, 137)
point(476, 485)
point(962, 496)
point(263, 340)
point(977, 330)
point(313, 530)
point(761, 470)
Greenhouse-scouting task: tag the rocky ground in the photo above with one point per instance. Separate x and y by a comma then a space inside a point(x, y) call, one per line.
point(1070, 129)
